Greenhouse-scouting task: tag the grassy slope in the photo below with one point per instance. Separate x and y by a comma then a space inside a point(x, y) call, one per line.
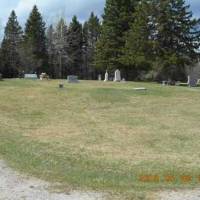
point(100, 135)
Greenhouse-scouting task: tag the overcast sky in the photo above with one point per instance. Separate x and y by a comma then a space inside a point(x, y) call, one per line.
point(53, 9)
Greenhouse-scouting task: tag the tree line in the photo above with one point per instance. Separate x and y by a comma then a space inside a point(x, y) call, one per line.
point(57, 50)
point(146, 40)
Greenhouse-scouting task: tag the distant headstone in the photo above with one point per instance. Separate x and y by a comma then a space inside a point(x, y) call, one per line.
point(72, 79)
point(1, 77)
point(140, 89)
point(117, 77)
point(123, 80)
point(192, 82)
point(193, 72)
point(164, 83)
point(106, 77)
point(21, 74)
point(61, 85)
point(31, 76)
point(99, 77)
point(44, 76)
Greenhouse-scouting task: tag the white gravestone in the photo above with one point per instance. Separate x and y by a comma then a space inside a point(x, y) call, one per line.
point(123, 80)
point(44, 76)
point(117, 76)
point(106, 77)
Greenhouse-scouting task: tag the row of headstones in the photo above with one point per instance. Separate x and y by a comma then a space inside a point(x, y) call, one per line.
point(117, 77)
point(34, 76)
point(70, 79)
point(192, 82)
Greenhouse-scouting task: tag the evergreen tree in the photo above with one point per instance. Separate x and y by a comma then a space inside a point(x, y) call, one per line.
point(178, 38)
point(74, 50)
point(1, 64)
point(35, 42)
point(11, 62)
point(91, 32)
point(118, 15)
point(164, 37)
point(140, 40)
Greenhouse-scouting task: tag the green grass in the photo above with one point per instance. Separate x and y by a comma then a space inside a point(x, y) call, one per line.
point(101, 136)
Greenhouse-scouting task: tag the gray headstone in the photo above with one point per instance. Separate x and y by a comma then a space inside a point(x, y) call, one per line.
point(31, 76)
point(99, 77)
point(192, 81)
point(72, 79)
point(193, 73)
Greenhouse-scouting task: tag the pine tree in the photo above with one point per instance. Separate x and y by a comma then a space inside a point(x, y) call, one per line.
point(118, 15)
point(35, 42)
point(91, 32)
point(11, 62)
point(164, 38)
point(140, 40)
point(178, 38)
point(1, 64)
point(74, 50)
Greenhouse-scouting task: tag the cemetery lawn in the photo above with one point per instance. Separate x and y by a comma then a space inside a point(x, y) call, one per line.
point(102, 136)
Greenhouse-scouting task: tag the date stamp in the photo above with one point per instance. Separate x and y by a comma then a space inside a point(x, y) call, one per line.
point(184, 179)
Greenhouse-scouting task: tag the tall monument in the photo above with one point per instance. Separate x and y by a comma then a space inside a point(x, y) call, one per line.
point(117, 76)
point(106, 76)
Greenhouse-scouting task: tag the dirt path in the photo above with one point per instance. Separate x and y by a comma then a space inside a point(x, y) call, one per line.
point(179, 195)
point(14, 186)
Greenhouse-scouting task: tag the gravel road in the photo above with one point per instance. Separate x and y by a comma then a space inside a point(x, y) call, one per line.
point(180, 195)
point(14, 186)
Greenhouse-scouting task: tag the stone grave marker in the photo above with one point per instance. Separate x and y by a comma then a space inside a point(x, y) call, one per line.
point(117, 77)
point(72, 79)
point(106, 77)
point(192, 81)
point(99, 77)
point(31, 76)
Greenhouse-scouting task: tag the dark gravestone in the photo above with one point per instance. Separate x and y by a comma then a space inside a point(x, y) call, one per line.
point(192, 81)
point(21, 74)
point(61, 85)
point(1, 77)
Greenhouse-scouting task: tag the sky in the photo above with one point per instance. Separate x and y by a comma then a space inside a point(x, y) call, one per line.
point(52, 10)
